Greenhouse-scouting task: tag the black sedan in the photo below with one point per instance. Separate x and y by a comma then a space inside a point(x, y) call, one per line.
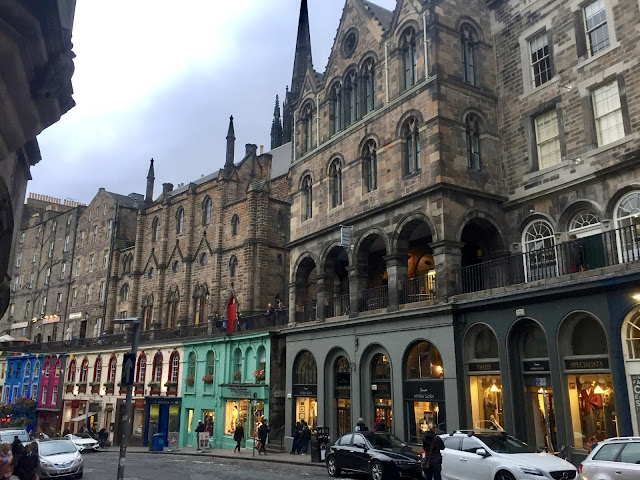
point(381, 455)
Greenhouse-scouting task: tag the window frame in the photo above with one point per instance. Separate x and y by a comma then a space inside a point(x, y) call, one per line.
point(619, 111)
point(206, 211)
point(588, 31)
point(335, 176)
point(370, 166)
point(547, 59)
point(557, 138)
point(307, 197)
point(180, 220)
point(469, 54)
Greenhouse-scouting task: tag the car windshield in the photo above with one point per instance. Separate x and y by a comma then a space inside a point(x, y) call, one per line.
point(57, 447)
point(505, 444)
point(385, 441)
point(82, 435)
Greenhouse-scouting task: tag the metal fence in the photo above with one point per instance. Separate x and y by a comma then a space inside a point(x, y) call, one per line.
point(337, 306)
point(605, 249)
point(421, 289)
point(374, 298)
point(306, 313)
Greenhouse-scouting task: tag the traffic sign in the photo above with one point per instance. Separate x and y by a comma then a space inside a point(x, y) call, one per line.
point(128, 369)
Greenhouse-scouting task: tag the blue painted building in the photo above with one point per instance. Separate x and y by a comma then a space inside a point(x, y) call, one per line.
point(22, 378)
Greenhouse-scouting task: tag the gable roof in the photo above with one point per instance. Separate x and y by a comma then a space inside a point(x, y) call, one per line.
point(381, 14)
point(133, 200)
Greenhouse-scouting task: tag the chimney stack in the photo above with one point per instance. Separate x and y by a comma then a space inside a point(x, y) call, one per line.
point(167, 187)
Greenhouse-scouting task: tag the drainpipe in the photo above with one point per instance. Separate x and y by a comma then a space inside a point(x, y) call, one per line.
point(317, 120)
point(294, 137)
point(386, 71)
point(426, 47)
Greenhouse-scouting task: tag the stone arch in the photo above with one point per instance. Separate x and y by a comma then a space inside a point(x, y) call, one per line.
point(332, 158)
point(305, 280)
point(366, 57)
point(301, 258)
point(483, 119)
point(473, 23)
point(408, 219)
point(335, 82)
point(567, 327)
point(409, 23)
point(365, 139)
point(576, 206)
point(532, 217)
point(307, 102)
point(471, 335)
point(305, 174)
point(481, 238)
point(353, 67)
point(615, 198)
point(334, 269)
point(516, 329)
point(405, 116)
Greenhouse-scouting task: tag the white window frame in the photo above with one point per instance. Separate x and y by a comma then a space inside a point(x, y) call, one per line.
point(544, 263)
point(74, 296)
point(101, 291)
point(63, 270)
point(607, 110)
point(603, 8)
point(627, 239)
point(43, 305)
point(543, 122)
point(91, 263)
point(532, 64)
point(66, 244)
point(59, 303)
point(105, 259)
point(19, 259)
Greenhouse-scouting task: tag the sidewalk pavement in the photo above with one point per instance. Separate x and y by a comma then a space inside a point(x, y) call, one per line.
point(245, 454)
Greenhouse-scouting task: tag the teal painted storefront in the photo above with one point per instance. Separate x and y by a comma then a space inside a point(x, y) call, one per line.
point(228, 398)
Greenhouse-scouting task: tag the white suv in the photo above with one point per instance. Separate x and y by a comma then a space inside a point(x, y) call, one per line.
point(494, 455)
point(615, 458)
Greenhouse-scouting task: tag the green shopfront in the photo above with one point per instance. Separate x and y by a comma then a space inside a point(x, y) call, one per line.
point(225, 385)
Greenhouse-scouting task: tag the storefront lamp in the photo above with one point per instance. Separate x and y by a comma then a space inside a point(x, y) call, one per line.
point(598, 390)
point(438, 369)
point(494, 388)
point(636, 297)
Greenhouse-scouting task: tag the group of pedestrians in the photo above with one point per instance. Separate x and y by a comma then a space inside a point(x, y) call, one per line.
point(261, 437)
point(301, 438)
point(19, 462)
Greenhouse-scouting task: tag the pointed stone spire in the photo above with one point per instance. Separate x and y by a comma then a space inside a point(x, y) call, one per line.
point(276, 126)
point(231, 143)
point(287, 117)
point(150, 179)
point(302, 57)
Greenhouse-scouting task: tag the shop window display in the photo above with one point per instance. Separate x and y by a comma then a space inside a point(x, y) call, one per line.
point(236, 413)
point(593, 412)
point(486, 402)
point(307, 410)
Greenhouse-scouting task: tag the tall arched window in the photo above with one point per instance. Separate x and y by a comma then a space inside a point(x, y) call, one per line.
point(173, 300)
point(97, 370)
point(585, 223)
point(306, 120)
point(335, 173)
point(71, 375)
point(191, 365)
point(180, 220)
point(57, 371)
point(370, 166)
point(210, 363)
point(351, 111)
point(157, 367)
point(155, 230)
point(307, 198)
point(124, 293)
point(200, 295)
point(111, 373)
point(627, 219)
point(147, 311)
point(538, 242)
point(235, 225)
point(233, 267)
point(206, 211)
point(369, 86)
point(237, 373)
point(27, 369)
point(409, 57)
point(411, 146)
point(84, 370)
point(306, 370)
point(468, 42)
point(335, 96)
point(36, 367)
point(474, 158)
point(142, 368)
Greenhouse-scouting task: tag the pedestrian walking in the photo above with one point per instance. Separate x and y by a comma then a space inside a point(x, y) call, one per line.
point(238, 435)
point(199, 429)
point(28, 465)
point(305, 436)
point(7, 463)
point(17, 449)
point(361, 426)
point(263, 431)
point(431, 462)
point(295, 448)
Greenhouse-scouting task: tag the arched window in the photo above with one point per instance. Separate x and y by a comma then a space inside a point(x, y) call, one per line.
point(71, 374)
point(584, 223)
point(206, 211)
point(409, 57)
point(27, 369)
point(191, 367)
point(174, 362)
point(307, 198)
point(200, 296)
point(111, 372)
point(351, 111)
point(370, 166)
point(237, 373)
point(468, 42)
point(423, 361)
point(157, 367)
point(335, 96)
point(36, 368)
point(262, 359)
point(210, 363)
point(180, 220)
point(280, 220)
point(124, 293)
point(155, 230)
point(147, 311)
point(97, 370)
point(306, 370)
point(306, 120)
point(235, 224)
point(173, 299)
point(627, 217)
point(411, 146)
point(84, 370)
point(335, 174)
point(538, 243)
point(57, 371)
point(369, 86)
point(233, 267)
point(474, 158)
point(142, 368)
point(380, 368)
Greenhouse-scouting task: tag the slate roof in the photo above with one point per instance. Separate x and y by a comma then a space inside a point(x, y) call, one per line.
point(281, 160)
point(381, 14)
point(133, 200)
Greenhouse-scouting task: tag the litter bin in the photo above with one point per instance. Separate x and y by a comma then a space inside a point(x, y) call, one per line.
point(158, 442)
point(319, 442)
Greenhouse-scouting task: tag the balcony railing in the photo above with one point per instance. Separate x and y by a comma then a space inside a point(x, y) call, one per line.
point(614, 247)
point(374, 298)
point(421, 289)
point(337, 306)
point(307, 313)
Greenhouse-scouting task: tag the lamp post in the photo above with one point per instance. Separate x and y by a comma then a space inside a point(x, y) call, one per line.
point(126, 418)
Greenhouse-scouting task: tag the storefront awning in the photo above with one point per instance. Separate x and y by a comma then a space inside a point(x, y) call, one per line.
point(84, 416)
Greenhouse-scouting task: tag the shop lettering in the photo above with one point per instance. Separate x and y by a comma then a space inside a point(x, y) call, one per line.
point(635, 384)
point(586, 364)
point(239, 392)
point(484, 367)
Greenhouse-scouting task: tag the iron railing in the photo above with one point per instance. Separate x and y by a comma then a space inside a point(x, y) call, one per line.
point(605, 249)
point(421, 289)
point(374, 298)
point(306, 313)
point(337, 306)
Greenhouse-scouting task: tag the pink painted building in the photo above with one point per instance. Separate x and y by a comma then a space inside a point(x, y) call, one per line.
point(51, 392)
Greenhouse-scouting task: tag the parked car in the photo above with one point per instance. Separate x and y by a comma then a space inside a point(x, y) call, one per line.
point(7, 434)
point(616, 458)
point(495, 455)
point(59, 458)
point(381, 455)
point(83, 441)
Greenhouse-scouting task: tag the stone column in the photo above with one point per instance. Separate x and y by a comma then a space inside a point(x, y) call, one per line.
point(324, 294)
point(292, 302)
point(447, 256)
point(397, 267)
point(357, 283)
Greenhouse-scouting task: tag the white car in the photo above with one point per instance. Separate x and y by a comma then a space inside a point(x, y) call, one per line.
point(615, 458)
point(494, 455)
point(83, 441)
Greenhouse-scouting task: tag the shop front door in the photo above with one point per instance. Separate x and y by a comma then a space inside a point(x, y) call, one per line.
point(384, 414)
point(542, 420)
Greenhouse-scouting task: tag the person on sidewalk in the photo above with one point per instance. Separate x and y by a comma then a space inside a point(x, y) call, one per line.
point(238, 435)
point(432, 461)
point(361, 426)
point(263, 431)
point(305, 436)
point(295, 448)
point(199, 429)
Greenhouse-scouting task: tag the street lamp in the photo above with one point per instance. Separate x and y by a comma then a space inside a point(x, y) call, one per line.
point(126, 418)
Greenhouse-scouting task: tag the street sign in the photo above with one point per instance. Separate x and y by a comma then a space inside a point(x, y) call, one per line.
point(128, 369)
point(345, 236)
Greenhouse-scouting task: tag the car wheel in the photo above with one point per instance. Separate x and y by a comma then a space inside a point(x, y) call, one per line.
point(79, 474)
point(377, 471)
point(332, 467)
point(504, 475)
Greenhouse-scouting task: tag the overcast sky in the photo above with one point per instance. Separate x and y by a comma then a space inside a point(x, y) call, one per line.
point(159, 78)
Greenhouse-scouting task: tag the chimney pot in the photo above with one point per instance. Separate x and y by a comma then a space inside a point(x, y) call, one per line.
point(167, 187)
point(261, 149)
point(250, 148)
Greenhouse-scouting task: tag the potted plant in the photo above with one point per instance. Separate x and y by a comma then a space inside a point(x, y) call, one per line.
point(190, 380)
point(237, 377)
point(259, 375)
point(208, 379)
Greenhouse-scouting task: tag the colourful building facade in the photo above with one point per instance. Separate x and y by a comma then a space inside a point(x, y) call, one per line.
point(49, 399)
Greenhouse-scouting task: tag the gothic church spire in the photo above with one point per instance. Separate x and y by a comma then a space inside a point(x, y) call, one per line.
point(302, 57)
point(276, 126)
point(231, 144)
point(150, 180)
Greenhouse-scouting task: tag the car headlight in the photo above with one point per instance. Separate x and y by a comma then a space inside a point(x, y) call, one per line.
point(530, 470)
point(402, 462)
point(45, 463)
point(78, 460)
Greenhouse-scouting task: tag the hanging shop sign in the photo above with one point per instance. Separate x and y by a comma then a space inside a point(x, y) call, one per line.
point(590, 364)
point(424, 390)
